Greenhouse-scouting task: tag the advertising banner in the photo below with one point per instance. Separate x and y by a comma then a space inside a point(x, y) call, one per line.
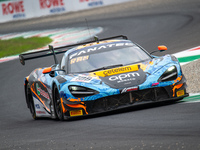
point(22, 9)
point(49, 7)
point(11, 10)
point(88, 4)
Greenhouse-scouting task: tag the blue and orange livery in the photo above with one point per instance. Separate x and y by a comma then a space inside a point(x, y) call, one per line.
point(100, 76)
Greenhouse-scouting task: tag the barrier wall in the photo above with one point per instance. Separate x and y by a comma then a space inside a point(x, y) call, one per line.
point(23, 9)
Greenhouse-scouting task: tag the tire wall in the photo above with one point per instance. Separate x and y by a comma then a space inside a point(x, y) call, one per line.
point(23, 9)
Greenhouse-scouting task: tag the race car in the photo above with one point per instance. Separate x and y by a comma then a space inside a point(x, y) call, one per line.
point(99, 76)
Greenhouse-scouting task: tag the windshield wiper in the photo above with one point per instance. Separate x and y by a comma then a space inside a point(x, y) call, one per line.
point(106, 67)
point(137, 62)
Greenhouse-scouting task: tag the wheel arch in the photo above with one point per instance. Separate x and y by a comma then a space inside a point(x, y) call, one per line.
point(25, 90)
point(52, 89)
point(53, 101)
point(55, 86)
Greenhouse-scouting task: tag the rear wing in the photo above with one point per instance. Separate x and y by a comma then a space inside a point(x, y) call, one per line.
point(59, 50)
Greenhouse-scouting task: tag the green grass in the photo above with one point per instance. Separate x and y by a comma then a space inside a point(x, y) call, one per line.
point(18, 45)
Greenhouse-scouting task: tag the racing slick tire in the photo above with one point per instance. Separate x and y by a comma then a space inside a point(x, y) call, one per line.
point(30, 101)
point(57, 104)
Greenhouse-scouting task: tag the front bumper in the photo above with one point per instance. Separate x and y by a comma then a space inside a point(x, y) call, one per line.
point(125, 100)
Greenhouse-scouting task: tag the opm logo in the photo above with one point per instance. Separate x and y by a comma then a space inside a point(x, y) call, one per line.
point(124, 77)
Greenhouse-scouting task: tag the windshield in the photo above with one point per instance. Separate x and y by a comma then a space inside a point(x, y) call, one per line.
point(102, 60)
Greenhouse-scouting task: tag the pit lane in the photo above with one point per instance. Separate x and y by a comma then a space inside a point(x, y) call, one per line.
point(158, 126)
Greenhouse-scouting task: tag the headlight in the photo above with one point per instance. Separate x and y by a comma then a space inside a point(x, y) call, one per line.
point(79, 91)
point(169, 75)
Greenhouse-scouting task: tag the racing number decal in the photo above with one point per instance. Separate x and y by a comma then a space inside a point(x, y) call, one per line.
point(78, 59)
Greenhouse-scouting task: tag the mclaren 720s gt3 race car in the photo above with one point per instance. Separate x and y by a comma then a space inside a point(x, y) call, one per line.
point(100, 76)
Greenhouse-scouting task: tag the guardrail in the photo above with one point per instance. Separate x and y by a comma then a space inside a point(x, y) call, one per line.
point(23, 9)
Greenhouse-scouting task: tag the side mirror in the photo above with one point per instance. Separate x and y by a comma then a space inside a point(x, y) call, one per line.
point(47, 70)
point(50, 70)
point(162, 48)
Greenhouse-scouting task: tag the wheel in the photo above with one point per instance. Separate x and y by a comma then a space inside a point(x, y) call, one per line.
point(57, 104)
point(30, 101)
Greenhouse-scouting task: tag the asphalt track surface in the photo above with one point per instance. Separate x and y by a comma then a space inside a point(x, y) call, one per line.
point(158, 126)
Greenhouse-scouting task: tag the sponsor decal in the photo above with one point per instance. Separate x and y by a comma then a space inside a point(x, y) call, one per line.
point(135, 88)
point(76, 113)
point(41, 92)
point(100, 47)
point(37, 106)
point(79, 59)
point(92, 3)
point(40, 112)
point(119, 70)
point(82, 78)
point(92, 44)
point(124, 77)
point(180, 93)
point(13, 8)
point(176, 87)
point(54, 5)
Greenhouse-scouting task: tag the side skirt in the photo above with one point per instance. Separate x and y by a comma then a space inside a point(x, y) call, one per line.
point(40, 110)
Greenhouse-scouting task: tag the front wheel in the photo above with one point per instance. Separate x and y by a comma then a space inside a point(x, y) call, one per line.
point(57, 104)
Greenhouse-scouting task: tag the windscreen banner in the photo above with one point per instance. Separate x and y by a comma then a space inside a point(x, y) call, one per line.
point(23, 9)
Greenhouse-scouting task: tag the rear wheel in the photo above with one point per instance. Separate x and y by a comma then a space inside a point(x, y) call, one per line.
point(30, 101)
point(57, 104)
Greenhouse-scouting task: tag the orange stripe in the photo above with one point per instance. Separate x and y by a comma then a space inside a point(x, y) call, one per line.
point(78, 106)
point(63, 108)
point(177, 80)
point(176, 87)
point(42, 83)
